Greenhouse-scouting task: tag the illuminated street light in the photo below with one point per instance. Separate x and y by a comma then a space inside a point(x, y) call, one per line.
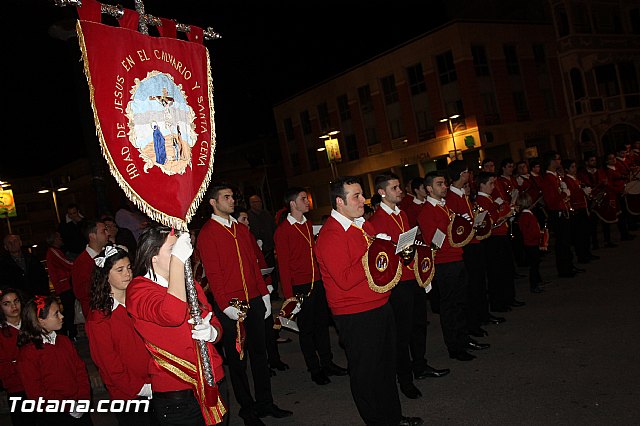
point(450, 129)
point(53, 191)
point(332, 147)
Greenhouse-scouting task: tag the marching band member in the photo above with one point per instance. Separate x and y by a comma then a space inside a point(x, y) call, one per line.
point(232, 269)
point(617, 178)
point(299, 275)
point(451, 274)
point(412, 205)
point(363, 317)
point(595, 181)
point(407, 298)
point(531, 241)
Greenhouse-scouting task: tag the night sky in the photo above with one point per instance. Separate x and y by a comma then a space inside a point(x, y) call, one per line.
point(269, 51)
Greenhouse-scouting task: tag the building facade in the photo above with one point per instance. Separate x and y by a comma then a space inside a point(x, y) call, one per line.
point(396, 111)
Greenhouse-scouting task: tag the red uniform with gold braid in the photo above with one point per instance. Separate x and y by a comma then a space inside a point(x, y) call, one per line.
point(558, 210)
point(579, 219)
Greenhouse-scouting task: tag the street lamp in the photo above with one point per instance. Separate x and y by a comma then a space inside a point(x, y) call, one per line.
point(6, 199)
point(332, 147)
point(53, 191)
point(450, 129)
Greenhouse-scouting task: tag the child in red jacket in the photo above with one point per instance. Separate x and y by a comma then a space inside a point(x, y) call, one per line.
point(49, 365)
point(530, 230)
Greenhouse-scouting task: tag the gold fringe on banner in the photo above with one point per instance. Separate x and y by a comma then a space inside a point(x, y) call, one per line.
point(146, 208)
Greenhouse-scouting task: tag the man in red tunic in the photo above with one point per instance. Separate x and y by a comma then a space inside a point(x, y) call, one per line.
point(97, 235)
point(451, 275)
point(231, 266)
point(408, 299)
point(59, 268)
point(412, 205)
point(364, 318)
point(299, 274)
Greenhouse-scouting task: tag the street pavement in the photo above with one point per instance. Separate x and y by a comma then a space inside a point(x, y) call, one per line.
point(569, 357)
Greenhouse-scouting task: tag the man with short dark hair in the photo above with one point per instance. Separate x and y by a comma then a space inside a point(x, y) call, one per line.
point(412, 205)
point(21, 270)
point(231, 267)
point(71, 232)
point(364, 318)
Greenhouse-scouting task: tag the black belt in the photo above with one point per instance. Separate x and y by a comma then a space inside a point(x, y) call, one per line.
point(181, 394)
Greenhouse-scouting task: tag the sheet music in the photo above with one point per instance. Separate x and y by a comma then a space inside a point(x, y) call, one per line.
point(267, 271)
point(477, 221)
point(406, 239)
point(438, 238)
point(514, 196)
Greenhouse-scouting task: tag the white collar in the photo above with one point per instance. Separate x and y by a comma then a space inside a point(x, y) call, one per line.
point(526, 211)
point(292, 220)
point(568, 175)
point(611, 167)
point(91, 251)
point(221, 220)
point(533, 174)
point(524, 176)
point(158, 280)
point(49, 338)
point(17, 327)
point(418, 201)
point(435, 202)
point(388, 210)
point(346, 222)
point(116, 303)
point(553, 173)
point(457, 191)
point(484, 194)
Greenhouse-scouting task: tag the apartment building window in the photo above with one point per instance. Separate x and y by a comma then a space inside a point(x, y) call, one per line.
point(352, 147)
point(562, 21)
point(520, 104)
point(607, 19)
point(480, 62)
point(539, 54)
point(364, 95)
point(634, 19)
point(312, 154)
point(446, 68)
point(295, 161)
point(395, 127)
point(511, 59)
point(389, 90)
point(305, 122)
point(288, 129)
point(607, 80)
point(580, 19)
point(372, 136)
point(343, 107)
point(490, 108)
point(415, 76)
point(549, 103)
point(323, 116)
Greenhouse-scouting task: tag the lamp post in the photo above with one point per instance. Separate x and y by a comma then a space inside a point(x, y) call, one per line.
point(450, 129)
point(333, 151)
point(53, 191)
point(3, 185)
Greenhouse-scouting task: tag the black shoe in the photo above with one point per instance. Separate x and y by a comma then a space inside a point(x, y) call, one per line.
point(320, 378)
point(429, 371)
point(283, 340)
point(578, 270)
point(274, 411)
point(594, 257)
point(567, 274)
point(480, 332)
point(537, 290)
point(517, 303)
point(410, 391)
point(584, 261)
point(250, 418)
point(502, 309)
point(461, 356)
point(494, 320)
point(410, 421)
point(332, 369)
point(477, 346)
point(279, 365)
point(519, 275)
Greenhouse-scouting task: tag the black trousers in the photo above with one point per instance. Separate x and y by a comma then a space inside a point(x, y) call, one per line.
point(255, 350)
point(369, 341)
point(500, 271)
point(451, 280)
point(561, 228)
point(313, 323)
point(533, 257)
point(418, 339)
point(271, 336)
point(477, 302)
point(401, 301)
point(18, 418)
point(68, 301)
point(185, 411)
point(580, 235)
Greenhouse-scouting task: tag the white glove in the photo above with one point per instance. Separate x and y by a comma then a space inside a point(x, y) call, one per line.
point(232, 312)
point(587, 190)
point(270, 288)
point(267, 304)
point(466, 216)
point(296, 309)
point(383, 237)
point(567, 191)
point(427, 289)
point(499, 201)
point(75, 414)
point(259, 243)
point(519, 180)
point(182, 249)
point(146, 391)
point(204, 331)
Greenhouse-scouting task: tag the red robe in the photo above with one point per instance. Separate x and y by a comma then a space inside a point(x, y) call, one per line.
point(437, 217)
point(53, 372)
point(59, 268)
point(529, 228)
point(81, 280)
point(118, 352)
point(393, 225)
point(339, 255)
point(9, 351)
point(493, 211)
point(295, 251)
point(161, 319)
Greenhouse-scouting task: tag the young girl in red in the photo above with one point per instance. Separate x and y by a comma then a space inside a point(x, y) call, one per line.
point(48, 363)
point(116, 349)
point(10, 312)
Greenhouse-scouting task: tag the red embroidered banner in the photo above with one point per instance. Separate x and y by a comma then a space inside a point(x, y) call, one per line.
point(153, 110)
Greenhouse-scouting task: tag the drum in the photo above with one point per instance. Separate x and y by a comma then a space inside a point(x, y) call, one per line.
point(632, 197)
point(460, 231)
point(286, 317)
point(608, 209)
point(382, 265)
point(424, 265)
point(484, 230)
